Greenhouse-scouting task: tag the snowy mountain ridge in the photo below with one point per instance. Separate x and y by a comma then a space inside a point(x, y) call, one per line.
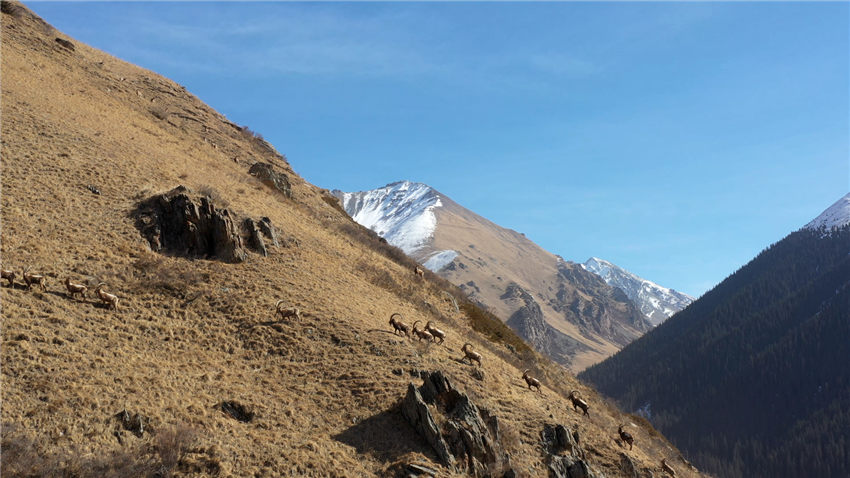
point(835, 216)
point(402, 213)
point(657, 303)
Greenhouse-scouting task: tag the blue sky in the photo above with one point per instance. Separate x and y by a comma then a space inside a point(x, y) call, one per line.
point(676, 140)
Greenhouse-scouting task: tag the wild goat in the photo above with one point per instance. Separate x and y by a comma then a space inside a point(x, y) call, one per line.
point(578, 402)
point(469, 354)
point(399, 326)
point(437, 333)
point(111, 300)
point(531, 381)
point(31, 279)
point(74, 289)
point(286, 312)
point(667, 468)
point(9, 275)
point(422, 334)
point(626, 437)
point(419, 272)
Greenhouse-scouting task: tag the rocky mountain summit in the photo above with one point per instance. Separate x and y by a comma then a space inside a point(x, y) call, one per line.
point(657, 303)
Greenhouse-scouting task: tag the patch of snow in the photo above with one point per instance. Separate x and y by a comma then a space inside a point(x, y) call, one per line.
point(440, 259)
point(401, 212)
point(835, 216)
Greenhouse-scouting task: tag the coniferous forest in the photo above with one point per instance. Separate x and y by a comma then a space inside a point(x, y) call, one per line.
point(753, 378)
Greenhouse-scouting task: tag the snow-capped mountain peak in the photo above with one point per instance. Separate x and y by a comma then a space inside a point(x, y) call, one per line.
point(401, 212)
point(656, 302)
point(837, 215)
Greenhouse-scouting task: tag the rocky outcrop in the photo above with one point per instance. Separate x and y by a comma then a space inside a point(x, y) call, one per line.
point(266, 173)
point(586, 300)
point(529, 323)
point(469, 440)
point(182, 223)
point(564, 456)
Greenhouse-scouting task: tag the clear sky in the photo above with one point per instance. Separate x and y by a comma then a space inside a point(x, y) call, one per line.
point(676, 140)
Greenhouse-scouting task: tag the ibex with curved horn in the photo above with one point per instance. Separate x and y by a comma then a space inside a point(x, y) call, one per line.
point(422, 334)
point(578, 402)
point(286, 312)
point(437, 333)
point(111, 300)
point(531, 381)
point(74, 288)
point(30, 279)
point(471, 355)
point(399, 327)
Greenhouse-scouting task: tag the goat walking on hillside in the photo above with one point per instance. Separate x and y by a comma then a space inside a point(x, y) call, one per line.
point(37, 279)
point(531, 381)
point(578, 402)
point(626, 437)
point(9, 275)
point(110, 300)
point(399, 327)
point(286, 312)
point(469, 354)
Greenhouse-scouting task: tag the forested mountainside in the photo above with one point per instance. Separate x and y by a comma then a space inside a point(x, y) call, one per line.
point(753, 378)
point(192, 359)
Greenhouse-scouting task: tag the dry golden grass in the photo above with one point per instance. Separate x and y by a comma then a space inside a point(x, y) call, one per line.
point(190, 334)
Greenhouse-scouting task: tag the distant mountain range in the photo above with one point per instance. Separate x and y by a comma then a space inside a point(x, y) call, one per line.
point(657, 303)
point(753, 378)
point(577, 314)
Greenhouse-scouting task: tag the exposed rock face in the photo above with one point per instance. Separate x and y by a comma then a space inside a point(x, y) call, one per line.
point(266, 173)
point(587, 301)
point(529, 323)
point(557, 440)
point(469, 440)
point(178, 222)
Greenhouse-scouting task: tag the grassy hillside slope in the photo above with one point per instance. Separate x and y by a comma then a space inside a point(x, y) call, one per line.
point(191, 334)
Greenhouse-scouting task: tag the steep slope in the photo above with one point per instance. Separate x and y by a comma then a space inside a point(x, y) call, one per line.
point(562, 309)
point(657, 303)
point(837, 215)
point(213, 382)
point(753, 378)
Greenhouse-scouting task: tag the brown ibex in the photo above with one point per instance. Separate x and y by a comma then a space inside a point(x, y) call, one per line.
point(286, 312)
point(578, 402)
point(471, 355)
point(419, 272)
point(399, 327)
point(74, 289)
point(626, 437)
point(30, 279)
point(9, 275)
point(422, 334)
point(437, 333)
point(531, 381)
point(111, 300)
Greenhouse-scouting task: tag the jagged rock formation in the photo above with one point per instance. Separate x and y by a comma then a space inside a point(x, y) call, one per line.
point(597, 308)
point(469, 440)
point(266, 173)
point(564, 455)
point(529, 323)
point(657, 303)
point(181, 223)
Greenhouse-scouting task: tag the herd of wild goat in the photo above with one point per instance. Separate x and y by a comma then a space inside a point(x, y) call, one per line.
point(429, 333)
